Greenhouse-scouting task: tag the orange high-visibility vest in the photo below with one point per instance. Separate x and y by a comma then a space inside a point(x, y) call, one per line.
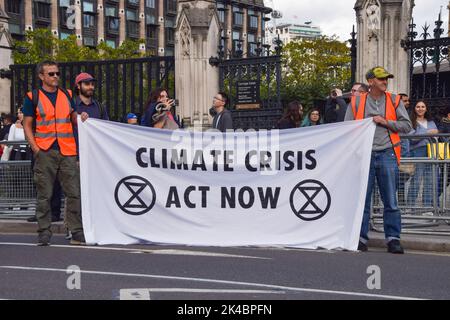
point(53, 123)
point(391, 115)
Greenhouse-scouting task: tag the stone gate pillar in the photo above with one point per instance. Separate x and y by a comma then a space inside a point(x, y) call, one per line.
point(196, 40)
point(382, 25)
point(5, 60)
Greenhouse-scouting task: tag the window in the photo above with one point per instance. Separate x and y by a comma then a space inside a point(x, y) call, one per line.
point(221, 12)
point(150, 4)
point(42, 10)
point(238, 16)
point(111, 43)
point(15, 29)
point(151, 32)
point(151, 19)
point(252, 49)
point(236, 35)
point(13, 6)
point(63, 16)
point(171, 5)
point(170, 35)
point(133, 28)
point(88, 21)
point(134, 2)
point(64, 3)
point(132, 15)
point(169, 52)
point(113, 24)
point(64, 35)
point(110, 11)
point(253, 22)
point(88, 7)
point(251, 38)
point(89, 41)
point(169, 23)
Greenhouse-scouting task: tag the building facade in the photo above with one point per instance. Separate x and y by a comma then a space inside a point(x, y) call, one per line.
point(113, 21)
point(289, 32)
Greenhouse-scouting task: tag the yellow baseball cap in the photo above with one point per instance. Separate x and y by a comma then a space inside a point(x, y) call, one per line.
point(379, 73)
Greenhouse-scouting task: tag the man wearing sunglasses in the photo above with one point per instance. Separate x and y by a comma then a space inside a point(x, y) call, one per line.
point(49, 118)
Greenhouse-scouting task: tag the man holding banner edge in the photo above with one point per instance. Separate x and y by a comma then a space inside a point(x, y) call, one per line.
point(391, 118)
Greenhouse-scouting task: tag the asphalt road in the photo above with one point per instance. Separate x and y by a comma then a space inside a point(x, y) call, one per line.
point(206, 273)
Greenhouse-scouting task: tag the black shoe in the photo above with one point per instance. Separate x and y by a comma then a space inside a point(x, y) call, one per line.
point(395, 247)
point(56, 219)
point(362, 247)
point(32, 219)
point(43, 240)
point(78, 239)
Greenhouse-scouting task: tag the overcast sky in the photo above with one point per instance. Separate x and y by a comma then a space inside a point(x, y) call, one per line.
point(337, 16)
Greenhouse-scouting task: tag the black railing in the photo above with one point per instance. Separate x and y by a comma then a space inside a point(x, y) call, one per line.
point(122, 85)
point(265, 70)
point(429, 66)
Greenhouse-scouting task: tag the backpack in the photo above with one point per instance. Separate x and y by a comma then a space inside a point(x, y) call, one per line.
point(101, 109)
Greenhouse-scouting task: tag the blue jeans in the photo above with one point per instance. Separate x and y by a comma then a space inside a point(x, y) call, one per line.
point(383, 167)
point(423, 173)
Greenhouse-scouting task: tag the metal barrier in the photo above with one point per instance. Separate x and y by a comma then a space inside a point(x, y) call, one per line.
point(423, 190)
point(17, 191)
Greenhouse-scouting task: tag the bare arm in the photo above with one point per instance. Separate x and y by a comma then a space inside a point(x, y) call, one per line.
point(28, 129)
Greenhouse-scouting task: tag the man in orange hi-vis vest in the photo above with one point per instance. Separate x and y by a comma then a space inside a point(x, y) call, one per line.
point(391, 118)
point(48, 124)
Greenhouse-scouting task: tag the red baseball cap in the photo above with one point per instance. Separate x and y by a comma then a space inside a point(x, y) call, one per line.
point(82, 77)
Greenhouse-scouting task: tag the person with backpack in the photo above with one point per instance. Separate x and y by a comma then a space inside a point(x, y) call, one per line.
point(49, 116)
point(391, 118)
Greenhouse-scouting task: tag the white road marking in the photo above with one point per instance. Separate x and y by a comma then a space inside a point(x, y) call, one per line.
point(134, 294)
point(148, 251)
point(144, 294)
point(249, 284)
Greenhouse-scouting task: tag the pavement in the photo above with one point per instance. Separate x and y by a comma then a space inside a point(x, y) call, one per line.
point(416, 242)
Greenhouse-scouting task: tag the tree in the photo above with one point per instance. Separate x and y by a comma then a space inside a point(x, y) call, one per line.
point(41, 44)
point(313, 67)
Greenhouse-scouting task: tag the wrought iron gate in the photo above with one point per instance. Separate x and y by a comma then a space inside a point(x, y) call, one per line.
point(429, 66)
point(265, 70)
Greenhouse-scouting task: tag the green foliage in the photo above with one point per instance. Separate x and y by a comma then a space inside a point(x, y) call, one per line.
point(313, 67)
point(41, 44)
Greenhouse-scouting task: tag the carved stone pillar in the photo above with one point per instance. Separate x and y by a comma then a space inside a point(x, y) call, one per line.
point(196, 40)
point(382, 25)
point(5, 61)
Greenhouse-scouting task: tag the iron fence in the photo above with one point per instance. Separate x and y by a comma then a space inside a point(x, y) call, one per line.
point(122, 85)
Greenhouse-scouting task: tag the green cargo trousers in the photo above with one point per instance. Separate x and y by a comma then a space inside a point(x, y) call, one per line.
point(48, 166)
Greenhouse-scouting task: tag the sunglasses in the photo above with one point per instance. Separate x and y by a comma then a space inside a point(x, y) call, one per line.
point(54, 74)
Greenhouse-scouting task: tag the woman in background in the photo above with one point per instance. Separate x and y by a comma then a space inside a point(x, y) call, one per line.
point(313, 119)
point(292, 118)
point(422, 124)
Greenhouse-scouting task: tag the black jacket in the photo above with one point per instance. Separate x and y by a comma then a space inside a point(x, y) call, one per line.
point(223, 121)
point(335, 110)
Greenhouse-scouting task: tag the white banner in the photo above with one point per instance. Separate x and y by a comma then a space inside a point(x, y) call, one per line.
point(302, 188)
